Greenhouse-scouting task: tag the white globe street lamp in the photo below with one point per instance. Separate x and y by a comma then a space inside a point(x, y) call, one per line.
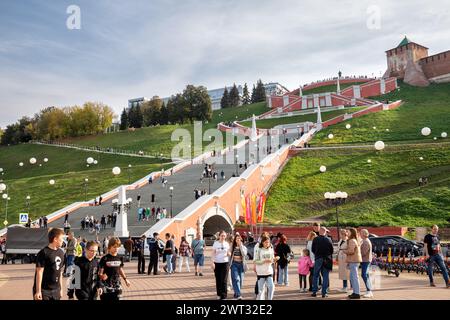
point(379, 145)
point(369, 161)
point(426, 131)
point(5, 196)
point(348, 126)
point(20, 164)
point(434, 138)
point(90, 160)
point(45, 160)
point(52, 182)
point(374, 128)
point(421, 158)
point(330, 136)
point(387, 130)
point(95, 162)
point(444, 134)
point(33, 160)
point(1, 170)
point(116, 171)
point(323, 169)
point(2, 187)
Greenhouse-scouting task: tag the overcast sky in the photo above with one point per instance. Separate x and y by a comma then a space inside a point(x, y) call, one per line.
point(128, 49)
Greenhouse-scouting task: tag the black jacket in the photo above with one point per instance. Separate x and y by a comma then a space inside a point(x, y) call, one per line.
point(155, 246)
point(86, 273)
point(322, 247)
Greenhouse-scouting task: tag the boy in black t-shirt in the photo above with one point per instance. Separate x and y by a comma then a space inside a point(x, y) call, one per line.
point(432, 248)
point(49, 265)
point(111, 269)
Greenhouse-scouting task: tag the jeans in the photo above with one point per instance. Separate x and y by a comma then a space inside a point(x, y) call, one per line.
point(344, 283)
point(437, 258)
point(237, 277)
point(365, 275)
point(70, 259)
point(283, 275)
point(181, 263)
point(354, 279)
point(318, 269)
point(262, 282)
point(169, 263)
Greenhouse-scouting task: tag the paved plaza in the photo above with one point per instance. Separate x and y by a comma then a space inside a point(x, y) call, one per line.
point(16, 282)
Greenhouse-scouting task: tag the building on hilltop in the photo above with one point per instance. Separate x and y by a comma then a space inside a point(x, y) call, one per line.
point(410, 61)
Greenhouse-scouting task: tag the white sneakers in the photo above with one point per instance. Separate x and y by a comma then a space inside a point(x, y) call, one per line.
point(344, 290)
point(369, 294)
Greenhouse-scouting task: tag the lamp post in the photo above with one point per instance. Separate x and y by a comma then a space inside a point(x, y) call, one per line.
point(336, 199)
point(237, 173)
point(86, 180)
point(27, 203)
point(129, 177)
point(171, 201)
point(6, 198)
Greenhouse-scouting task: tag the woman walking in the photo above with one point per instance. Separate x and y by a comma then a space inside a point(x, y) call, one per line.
point(342, 260)
point(283, 252)
point(220, 258)
point(264, 259)
point(366, 255)
point(309, 241)
point(353, 253)
point(185, 251)
point(238, 265)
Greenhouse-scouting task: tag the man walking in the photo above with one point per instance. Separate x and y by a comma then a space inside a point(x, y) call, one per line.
point(156, 249)
point(70, 253)
point(322, 247)
point(432, 249)
point(49, 263)
point(198, 248)
point(128, 245)
point(140, 247)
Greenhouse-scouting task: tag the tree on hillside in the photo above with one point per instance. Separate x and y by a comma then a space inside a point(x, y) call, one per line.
point(245, 95)
point(164, 115)
point(124, 119)
point(260, 92)
point(151, 111)
point(198, 102)
point(233, 96)
point(225, 101)
point(135, 117)
point(253, 94)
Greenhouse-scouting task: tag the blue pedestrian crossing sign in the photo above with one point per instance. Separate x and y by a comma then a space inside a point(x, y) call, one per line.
point(23, 218)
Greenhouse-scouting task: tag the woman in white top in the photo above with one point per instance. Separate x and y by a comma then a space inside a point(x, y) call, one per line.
point(264, 260)
point(220, 262)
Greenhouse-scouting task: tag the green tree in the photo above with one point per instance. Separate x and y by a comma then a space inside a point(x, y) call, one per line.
point(233, 96)
point(245, 95)
point(225, 101)
point(197, 103)
point(253, 94)
point(124, 119)
point(151, 111)
point(164, 115)
point(260, 92)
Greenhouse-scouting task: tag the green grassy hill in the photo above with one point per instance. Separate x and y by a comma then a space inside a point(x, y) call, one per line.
point(386, 191)
point(158, 139)
point(68, 168)
point(329, 88)
point(270, 123)
point(423, 107)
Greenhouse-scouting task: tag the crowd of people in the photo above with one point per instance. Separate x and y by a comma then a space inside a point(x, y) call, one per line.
point(272, 256)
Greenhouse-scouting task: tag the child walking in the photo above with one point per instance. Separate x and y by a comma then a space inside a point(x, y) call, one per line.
point(304, 265)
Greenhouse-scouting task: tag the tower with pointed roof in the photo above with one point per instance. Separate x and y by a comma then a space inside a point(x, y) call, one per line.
point(398, 57)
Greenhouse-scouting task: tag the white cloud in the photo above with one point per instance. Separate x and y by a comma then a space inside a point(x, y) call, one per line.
point(142, 49)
